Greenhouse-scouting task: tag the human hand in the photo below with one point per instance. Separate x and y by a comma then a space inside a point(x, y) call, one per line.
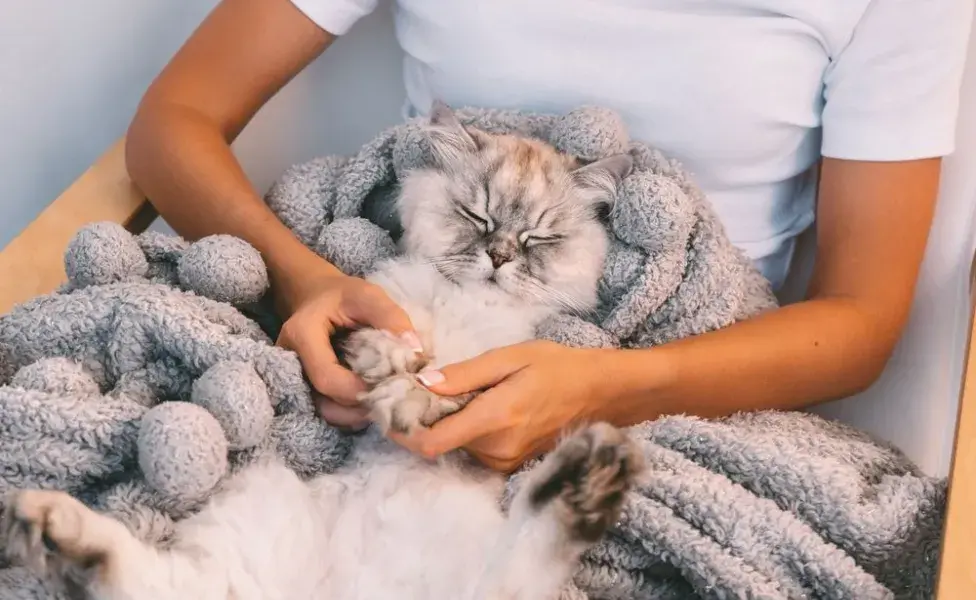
point(535, 391)
point(325, 302)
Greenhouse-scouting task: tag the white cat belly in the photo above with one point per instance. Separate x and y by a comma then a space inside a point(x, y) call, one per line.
point(388, 525)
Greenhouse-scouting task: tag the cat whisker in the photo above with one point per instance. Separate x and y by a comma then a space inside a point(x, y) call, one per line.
point(548, 293)
point(448, 266)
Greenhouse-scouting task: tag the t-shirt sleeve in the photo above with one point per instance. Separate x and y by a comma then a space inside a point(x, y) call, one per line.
point(893, 92)
point(335, 16)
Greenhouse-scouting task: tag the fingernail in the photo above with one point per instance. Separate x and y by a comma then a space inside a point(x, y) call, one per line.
point(413, 341)
point(429, 378)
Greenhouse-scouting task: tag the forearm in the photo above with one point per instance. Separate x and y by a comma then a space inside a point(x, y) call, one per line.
point(790, 358)
point(873, 222)
point(183, 163)
point(178, 145)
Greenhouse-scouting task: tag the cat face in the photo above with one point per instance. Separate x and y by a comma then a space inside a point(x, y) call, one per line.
point(510, 212)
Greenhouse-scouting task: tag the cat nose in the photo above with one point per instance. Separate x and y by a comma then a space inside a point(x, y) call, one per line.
point(499, 256)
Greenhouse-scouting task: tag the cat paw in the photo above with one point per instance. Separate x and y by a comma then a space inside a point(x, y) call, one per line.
point(585, 479)
point(402, 405)
point(53, 534)
point(376, 355)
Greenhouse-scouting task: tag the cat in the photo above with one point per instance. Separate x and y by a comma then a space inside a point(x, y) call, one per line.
point(499, 232)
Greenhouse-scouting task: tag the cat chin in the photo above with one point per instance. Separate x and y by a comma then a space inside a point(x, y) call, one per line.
point(494, 281)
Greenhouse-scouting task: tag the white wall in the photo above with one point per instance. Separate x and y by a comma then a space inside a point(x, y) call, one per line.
point(72, 73)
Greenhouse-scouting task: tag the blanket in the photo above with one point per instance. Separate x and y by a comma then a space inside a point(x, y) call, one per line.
point(151, 377)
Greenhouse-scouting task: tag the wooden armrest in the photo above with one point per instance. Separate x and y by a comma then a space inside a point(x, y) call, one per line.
point(957, 568)
point(33, 263)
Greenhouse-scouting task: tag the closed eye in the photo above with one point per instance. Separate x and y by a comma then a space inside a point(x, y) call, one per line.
point(529, 239)
point(467, 213)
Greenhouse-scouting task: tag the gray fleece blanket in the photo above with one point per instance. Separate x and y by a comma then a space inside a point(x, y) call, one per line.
point(146, 381)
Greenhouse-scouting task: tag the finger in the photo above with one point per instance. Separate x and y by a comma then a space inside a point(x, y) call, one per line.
point(479, 373)
point(377, 310)
point(333, 413)
point(340, 384)
point(479, 418)
point(322, 368)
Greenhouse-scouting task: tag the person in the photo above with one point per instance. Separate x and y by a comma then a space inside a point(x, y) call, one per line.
point(786, 111)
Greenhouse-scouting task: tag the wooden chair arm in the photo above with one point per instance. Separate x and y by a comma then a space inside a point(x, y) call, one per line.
point(957, 568)
point(32, 263)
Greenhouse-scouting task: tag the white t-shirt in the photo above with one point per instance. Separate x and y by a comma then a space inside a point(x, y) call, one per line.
point(748, 94)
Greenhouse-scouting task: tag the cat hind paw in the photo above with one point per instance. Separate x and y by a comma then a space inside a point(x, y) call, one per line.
point(586, 478)
point(52, 534)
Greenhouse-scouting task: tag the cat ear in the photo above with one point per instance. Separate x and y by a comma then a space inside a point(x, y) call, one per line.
point(450, 138)
point(599, 180)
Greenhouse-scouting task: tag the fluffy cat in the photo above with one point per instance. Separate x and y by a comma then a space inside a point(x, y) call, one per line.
point(500, 232)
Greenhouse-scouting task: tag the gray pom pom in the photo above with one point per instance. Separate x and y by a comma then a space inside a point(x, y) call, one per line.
point(103, 253)
point(224, 268)
point(653, 212)
point(355, 245)
point(590, 133)
point(237, 397)
point(55, 376)
point(182, 450)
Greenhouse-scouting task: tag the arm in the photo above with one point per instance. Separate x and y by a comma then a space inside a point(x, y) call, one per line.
point(873, 223)
point(178, 145)
point(178, 153)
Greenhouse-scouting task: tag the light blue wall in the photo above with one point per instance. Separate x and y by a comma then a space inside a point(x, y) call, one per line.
point(72, 73)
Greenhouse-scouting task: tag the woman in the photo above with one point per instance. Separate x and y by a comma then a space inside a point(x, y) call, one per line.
point(783, 109)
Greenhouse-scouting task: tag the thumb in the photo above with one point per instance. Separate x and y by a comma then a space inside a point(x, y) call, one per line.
point(320, 365)
point(475, 374)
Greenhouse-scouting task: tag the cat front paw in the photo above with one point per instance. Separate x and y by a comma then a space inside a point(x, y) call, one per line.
point(402, 405)
point(585, 479)
point(54, 535)
point(376, 355)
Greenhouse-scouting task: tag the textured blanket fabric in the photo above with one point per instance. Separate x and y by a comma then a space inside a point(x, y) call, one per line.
point(146, 381)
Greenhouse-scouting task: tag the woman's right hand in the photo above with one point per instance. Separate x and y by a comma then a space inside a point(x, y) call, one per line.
point(321, 304)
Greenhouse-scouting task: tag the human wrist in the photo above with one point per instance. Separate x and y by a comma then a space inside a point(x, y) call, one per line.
point(296, 274)
point(627, 384)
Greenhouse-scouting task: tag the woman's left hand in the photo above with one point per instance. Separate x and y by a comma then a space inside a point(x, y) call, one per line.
point(535, 391)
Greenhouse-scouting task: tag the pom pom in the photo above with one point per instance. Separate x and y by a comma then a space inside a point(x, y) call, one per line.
point(55, 376)
point(104, 253)
point(158, 246)
point(355, 245)
point(224, 268)
point(653, 212)
point(236, 396)
point(182, 450)
point(590, 133)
